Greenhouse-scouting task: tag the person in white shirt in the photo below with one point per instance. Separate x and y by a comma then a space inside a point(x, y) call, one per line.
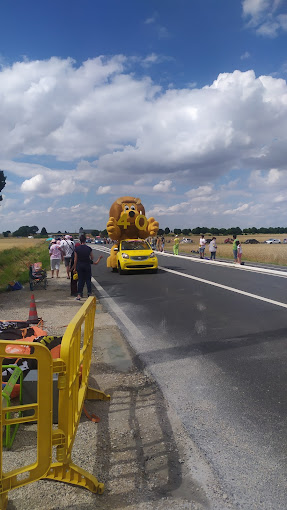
point(212, 248)
point(202, 243)
point(68, 247)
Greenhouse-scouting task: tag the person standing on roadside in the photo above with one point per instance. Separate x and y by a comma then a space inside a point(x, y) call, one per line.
point(175, 245)
point(68, 247)
point(239, 251)
point(212, 248)
point(234, 248)
point(56, 255)
point(82, 262)
point(202, 243)
point(162, 244)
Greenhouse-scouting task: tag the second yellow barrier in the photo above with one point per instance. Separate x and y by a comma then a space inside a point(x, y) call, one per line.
point(73, 368)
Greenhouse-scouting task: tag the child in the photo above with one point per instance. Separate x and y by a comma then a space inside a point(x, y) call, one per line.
point(239, 252)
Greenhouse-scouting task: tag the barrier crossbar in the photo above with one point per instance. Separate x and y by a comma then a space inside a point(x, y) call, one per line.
point(73, 369)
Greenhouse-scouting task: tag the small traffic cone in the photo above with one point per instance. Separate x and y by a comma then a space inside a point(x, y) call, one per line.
point(33, 316)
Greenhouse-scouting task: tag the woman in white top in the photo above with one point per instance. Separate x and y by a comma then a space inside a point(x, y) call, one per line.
point(212, 248)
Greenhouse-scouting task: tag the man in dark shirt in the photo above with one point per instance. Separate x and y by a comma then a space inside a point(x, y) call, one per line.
point(83, 261)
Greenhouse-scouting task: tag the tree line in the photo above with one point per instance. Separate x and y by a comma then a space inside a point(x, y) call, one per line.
point(223, 231)
point(26, 231)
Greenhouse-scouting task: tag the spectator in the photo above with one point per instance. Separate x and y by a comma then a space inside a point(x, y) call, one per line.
point(55, 257)
point(162, 244)
point(234, 248)
point(175, 245)
point(202, 243)
point(239, 251)
point(83, 261)
point(67, 246)
point(212, 248)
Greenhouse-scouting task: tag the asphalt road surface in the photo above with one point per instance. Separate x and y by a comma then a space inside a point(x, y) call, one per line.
point(214, 336)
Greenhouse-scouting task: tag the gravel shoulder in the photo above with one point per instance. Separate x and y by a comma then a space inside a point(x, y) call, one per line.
point(138, 449)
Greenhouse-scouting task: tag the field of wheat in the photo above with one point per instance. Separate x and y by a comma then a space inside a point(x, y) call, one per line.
point(13, 242)
point(264, 253)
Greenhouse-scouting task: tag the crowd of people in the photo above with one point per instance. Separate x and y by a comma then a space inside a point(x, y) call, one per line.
point(236, 248)
point(78, 259)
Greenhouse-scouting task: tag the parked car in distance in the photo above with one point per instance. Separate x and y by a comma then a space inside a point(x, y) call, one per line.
point(285, 241)
point(273, 241)
point(208, 240)
point(251, 241)
point(99, 241)
point(228, 241)
point(186, 240)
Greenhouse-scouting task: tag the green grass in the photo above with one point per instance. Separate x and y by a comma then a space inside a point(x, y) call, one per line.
point(14, 263)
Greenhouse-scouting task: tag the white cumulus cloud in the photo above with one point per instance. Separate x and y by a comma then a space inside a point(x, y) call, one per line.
point(163, 186)
point(103, 190)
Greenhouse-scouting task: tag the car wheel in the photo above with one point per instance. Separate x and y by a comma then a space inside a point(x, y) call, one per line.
point(120, 270)
point(154, 271)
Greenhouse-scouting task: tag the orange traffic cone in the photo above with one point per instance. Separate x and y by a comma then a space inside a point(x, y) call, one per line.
point(33, 316)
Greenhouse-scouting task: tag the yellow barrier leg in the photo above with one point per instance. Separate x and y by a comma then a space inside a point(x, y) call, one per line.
point(3, 500)
point(92, 394)
point(70, 473)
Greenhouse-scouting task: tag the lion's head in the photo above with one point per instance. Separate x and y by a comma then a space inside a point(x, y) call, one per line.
point(130, 206)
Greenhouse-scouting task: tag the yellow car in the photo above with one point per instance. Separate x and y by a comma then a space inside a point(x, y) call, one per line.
point(135, 254)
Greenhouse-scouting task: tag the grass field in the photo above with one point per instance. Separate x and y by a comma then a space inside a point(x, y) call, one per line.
point(265, 253)
point(13, 242)
point(15, 257)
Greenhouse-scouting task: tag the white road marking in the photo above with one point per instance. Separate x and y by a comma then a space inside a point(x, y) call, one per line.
point(129, 325)
point(274, 272)
point(225, 287)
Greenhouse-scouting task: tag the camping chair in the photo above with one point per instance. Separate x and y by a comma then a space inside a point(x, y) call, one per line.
point(37, 276)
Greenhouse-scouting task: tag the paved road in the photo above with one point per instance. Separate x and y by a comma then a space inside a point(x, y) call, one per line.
point(219, 353)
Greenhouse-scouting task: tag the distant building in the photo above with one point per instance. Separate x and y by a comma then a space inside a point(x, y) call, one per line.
point(85, 230)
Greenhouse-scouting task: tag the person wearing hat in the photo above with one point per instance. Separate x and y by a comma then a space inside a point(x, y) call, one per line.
point(68, 248)
point(56, 254)
point(175, 245)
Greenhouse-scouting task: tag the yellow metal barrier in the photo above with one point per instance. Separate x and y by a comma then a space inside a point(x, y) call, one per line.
point(40, 412)
point(73, 368)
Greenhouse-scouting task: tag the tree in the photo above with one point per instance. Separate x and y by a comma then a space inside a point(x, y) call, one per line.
point(25, 231)
point(104, 233)
point(95, 233)
point(160, 232)
point(6, 233)
point(44, 232)
point(177, 231)
point(186, 231)
point(2, 182)
point(166, 231)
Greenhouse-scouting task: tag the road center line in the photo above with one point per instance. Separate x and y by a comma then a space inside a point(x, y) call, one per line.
point(225, 287)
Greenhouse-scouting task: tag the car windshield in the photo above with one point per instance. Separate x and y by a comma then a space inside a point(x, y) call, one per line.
point(135, 245)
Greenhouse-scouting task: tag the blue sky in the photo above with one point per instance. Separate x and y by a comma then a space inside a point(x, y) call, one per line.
point(182, 103)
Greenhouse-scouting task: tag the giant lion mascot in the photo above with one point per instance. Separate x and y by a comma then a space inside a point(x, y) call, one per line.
point(124, 224)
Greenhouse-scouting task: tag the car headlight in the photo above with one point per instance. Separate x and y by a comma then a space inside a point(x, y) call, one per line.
point(151, 255)
point(125, 256)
